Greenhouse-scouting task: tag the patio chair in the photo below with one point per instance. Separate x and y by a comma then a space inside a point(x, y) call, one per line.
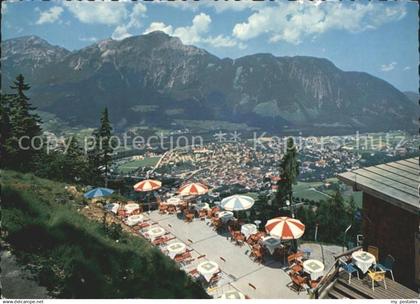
point(182, 257)
point(298, 282)
point(215, 278)
point(163, 208)
point(387, 265)
point(189, 217)
point(374, 251)
point(202, 214)
point(314, 283)
point(239, 238)
point(377, 276)
point(350, 269)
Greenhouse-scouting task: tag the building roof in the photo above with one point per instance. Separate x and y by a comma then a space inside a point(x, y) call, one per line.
point(396, 182)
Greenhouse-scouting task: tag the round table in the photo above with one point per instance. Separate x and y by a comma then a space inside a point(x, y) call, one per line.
point(112, 207)
point(201, 206)
point(207, 269)
point(315, 268)
point(225, 215)
point(134, 219)
point(129, 208)
point(173, 201)
point(155, 232)
point(363, 260)
point(176, 248)
point(248, 229)
point(233, 294)
point(271, 243)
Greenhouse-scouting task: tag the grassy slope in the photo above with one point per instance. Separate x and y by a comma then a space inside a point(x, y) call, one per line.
point(75, 257)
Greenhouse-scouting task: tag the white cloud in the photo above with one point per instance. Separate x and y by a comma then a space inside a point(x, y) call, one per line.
point(159, 26)
point(217, 6)
point(196, 33)
point(388, 67)
point(109, 13)
point(293, 22)
point(123, 31)
point(50, 16)
point(407, 68)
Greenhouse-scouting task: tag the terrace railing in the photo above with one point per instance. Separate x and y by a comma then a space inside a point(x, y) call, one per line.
point(332, 273)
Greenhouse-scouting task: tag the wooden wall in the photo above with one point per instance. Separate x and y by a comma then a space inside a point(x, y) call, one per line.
point(393, 231)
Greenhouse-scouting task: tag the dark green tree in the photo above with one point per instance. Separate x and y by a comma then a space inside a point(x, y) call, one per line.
point(289, 171)
point(333, 218)
point(5, 130)
point(25, 125)
point(100, 156)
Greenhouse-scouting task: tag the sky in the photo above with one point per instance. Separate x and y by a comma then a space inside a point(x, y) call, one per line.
point(376, 37)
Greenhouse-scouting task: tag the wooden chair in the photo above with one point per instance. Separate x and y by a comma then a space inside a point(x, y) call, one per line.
point(163, 208)
point(215, 278)
point(202, 214)
point(374, 251)
point(189, 217)
point(298, 282)
point(171, 209)
point(239, 238)
point(377, 276)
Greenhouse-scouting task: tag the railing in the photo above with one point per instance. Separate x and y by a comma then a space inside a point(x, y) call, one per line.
point(332, 273)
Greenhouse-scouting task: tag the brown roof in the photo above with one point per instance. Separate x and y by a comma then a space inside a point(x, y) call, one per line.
point(396, 183)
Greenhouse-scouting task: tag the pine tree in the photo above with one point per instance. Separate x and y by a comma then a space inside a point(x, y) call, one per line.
point(5, 130)
point(24, 124)
point(100, 157)
point(289, 171)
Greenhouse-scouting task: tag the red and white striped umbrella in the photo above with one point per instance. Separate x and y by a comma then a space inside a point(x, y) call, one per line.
point(147, 185)
point(193, 189)
point(285, 228)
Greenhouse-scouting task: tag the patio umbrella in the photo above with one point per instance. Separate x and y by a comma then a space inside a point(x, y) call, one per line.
point(193, 189)
point(147, 185)
point(237, 202)
point(285, 228)
point(98, 192)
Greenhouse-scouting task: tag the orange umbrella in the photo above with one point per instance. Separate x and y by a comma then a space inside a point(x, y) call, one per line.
point(285, 228)
point(147, 185)
point(193, 189)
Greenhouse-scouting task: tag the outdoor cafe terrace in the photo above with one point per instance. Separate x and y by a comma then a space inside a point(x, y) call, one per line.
point(232, 259)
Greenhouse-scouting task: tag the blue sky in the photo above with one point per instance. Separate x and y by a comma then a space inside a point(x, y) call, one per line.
point(371, 36)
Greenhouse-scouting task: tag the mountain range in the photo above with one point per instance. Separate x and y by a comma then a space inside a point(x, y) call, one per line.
point(155, 79)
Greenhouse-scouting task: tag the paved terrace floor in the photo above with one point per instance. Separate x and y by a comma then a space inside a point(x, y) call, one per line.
point(239, 271)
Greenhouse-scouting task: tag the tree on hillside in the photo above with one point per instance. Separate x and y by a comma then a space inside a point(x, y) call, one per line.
point(24, 126)
point(5, 130)
point(333, 217)
point(100, 156)
point(289, 171)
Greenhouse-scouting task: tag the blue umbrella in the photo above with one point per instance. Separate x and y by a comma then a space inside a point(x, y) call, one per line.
point(98, 192)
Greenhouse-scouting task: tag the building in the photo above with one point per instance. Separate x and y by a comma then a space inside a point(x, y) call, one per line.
point(391, 212)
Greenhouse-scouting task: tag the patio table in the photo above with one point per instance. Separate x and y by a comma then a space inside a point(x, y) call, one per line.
point(248, 229)
point(129, 208)
point(176, 248)
point(173, 201)
point(155, 232)
point(233, 294)
point(225, 216)
point(134, 219)
point(112, 207)
point(363, 260)
point(314, 268)
point(201, 206)
point(207, 269)
point(271, 243)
